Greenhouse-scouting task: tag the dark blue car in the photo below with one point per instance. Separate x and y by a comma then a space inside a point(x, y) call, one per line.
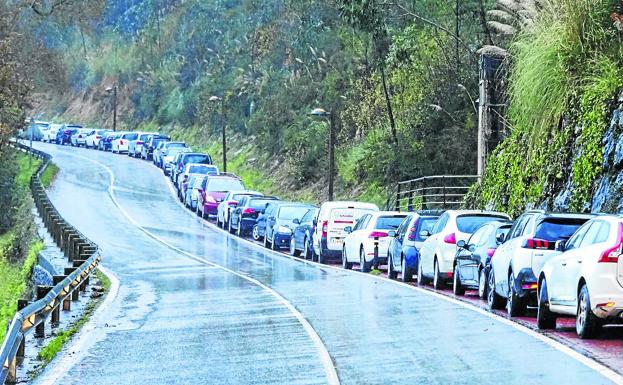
point(105, 144)
point(243, 219)
point(404, 248)
point(301, 243)
point(259, 229)
point(280, 223)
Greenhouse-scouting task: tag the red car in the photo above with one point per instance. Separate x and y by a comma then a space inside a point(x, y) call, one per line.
point(212, 191)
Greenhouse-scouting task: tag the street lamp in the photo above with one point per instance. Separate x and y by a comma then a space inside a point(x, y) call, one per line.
point(464, 89)
point(330, 118)
point(218, 99)
point(439, 108)
point(113, 91)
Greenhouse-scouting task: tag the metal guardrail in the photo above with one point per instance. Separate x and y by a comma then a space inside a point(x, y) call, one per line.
point(432, 192)
point(79, 250)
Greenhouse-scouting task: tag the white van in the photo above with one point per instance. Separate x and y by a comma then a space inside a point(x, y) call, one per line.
point(332, 219)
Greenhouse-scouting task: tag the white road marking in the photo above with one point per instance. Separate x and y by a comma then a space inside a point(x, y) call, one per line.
point(325, 357)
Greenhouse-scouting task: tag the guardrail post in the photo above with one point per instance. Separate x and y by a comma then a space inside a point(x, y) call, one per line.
point(21, 349)
point(56, 313)
point(424, 205)
point(410, 203)
point(42, 291)
point(397, 206)
point(12, 371)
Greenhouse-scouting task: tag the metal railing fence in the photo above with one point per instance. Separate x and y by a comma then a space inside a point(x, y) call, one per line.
point(431, 192)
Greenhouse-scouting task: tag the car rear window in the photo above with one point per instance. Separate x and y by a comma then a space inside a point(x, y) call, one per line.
point(131, 136)
point(555, 229)
point(171, 145)
point(224, 184)
point(201, 169)
point(292, 212)
point(198, 158)
point(347, 215)
point(259, 203)
point(469, 223)
point(389, 222)
point(426, 223)
point(238, 197)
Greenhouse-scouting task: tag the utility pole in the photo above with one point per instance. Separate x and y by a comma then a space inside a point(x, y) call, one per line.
point(114, 113)
point(215, 98)
point(456, 32)
point(331, 153)
point(32, 132)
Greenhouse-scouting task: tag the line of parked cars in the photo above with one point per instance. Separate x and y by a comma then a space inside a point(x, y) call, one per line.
point(558, 264)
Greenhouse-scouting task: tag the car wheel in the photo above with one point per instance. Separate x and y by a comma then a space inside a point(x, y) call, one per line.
point(545, 319)
point(391, 273)
point(405, 272)
point(494, 300)
point(421, 279)
point(438, 282)
point(272, 243)
point(229, 228)
point(239, 231)
point(345, 264)
point(305, 250)
point(457, 286)
point(363, 264)
point(293, 250)
point(482, 284)
point(255, 233)
point(203, 214)
point(515, 305)
point(265, 241)
point(587, 324)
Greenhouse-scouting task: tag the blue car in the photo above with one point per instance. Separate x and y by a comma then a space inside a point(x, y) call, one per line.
point(404, 248)
point(301, 243)
point(280, 223)
point(259, 229)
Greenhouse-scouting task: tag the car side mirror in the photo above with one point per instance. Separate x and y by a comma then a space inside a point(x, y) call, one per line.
point(461, 244)
point(296, 221)
point(500, 238)
point(425, 234)
point(560, 245)
point(392, 233)
point(271, 218)
point(348, 229)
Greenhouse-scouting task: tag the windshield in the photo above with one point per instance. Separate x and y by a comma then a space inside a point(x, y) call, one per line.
point(198, 158)
point(175, 145)
point(389, 222)
point(224, 184)
point(555, 229)
point(201, 169)
point(131, 136)
point(469, 223)
point(291, 212)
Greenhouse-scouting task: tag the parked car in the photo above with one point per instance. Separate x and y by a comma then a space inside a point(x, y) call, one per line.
point(519, 260)
point(333, 218)
point(147, 151)
point(135, 146)
point(105, 144)
point(49, 135)
point(186, 158)
point(243, 219)
point(40, 130)
point(473, 258)
point(212, 191)
point(169, 158)
point(79, 138)
point(586, 280)
point(192, 191)
point(228, 204)
point(439, 249)
point(93, 140)
point(122, 143)
point(301, 243)
point(63, 136)
point(162, 151)
point(404, 246)
point(194, 168)
point(280, 223)
point(370, 233)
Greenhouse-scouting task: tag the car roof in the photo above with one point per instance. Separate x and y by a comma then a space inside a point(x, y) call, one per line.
point(553, 214)
point(334, 204)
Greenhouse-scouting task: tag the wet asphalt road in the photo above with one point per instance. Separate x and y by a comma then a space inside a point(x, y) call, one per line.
point(198, 307)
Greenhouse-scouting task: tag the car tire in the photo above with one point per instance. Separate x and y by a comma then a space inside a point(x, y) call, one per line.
point(587, 324)
point(421, 279)
point(272, 243)
point(482, 284)
point(545, 319)
point(345, 264)
point(265, 241)
point(320, 258)
point(229, 228)
point(391, 273)
point(494, 300)
point(515, 305)
point(438, 282)
point(255, 233)
point(457, 286)
point(293, 251)
point(305, 254)
point(239, 231)
point(364, 266)
point(405, 272)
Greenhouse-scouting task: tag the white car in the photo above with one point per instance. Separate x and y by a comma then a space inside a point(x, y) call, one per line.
point(369, 233)
point(80, 138)
point(517, 263)
point(586, 280)
point(194, 168)
point(332, 219)
point(122, 143)
point(229, 203)
point(135, 146)
point(438, 251)
point(93, 140)
point(49, 135)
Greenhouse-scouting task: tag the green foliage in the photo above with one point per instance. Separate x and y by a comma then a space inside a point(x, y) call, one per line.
point(49, 174)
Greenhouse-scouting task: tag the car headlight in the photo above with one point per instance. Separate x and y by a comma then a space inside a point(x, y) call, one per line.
point(284, 230)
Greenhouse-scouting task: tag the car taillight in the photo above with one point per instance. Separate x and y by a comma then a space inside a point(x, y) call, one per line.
point(490, 252)
point(248, 210)
point(612, 254)
point(139, 142)
point(232, 203)
point(450, 238)
point(210, 199)
point(377, 234)
point(98, 137)
point(413, 231)
point(325, 226)
point(540, 244)
point(121, 142)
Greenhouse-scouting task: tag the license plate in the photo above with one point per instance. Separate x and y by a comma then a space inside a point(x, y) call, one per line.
point(337, 241)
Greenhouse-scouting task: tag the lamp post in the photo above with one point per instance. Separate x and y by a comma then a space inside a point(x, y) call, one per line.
point(330, 118)
point(113, 91)
point(215, 99)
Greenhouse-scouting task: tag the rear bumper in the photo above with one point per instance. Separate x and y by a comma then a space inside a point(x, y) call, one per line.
point(246, 224)
point(210, 208)
point(329, 253)
point(525, 283)
point(281, 240)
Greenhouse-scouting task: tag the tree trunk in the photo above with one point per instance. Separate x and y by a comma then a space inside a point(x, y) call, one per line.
point(390, 112)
